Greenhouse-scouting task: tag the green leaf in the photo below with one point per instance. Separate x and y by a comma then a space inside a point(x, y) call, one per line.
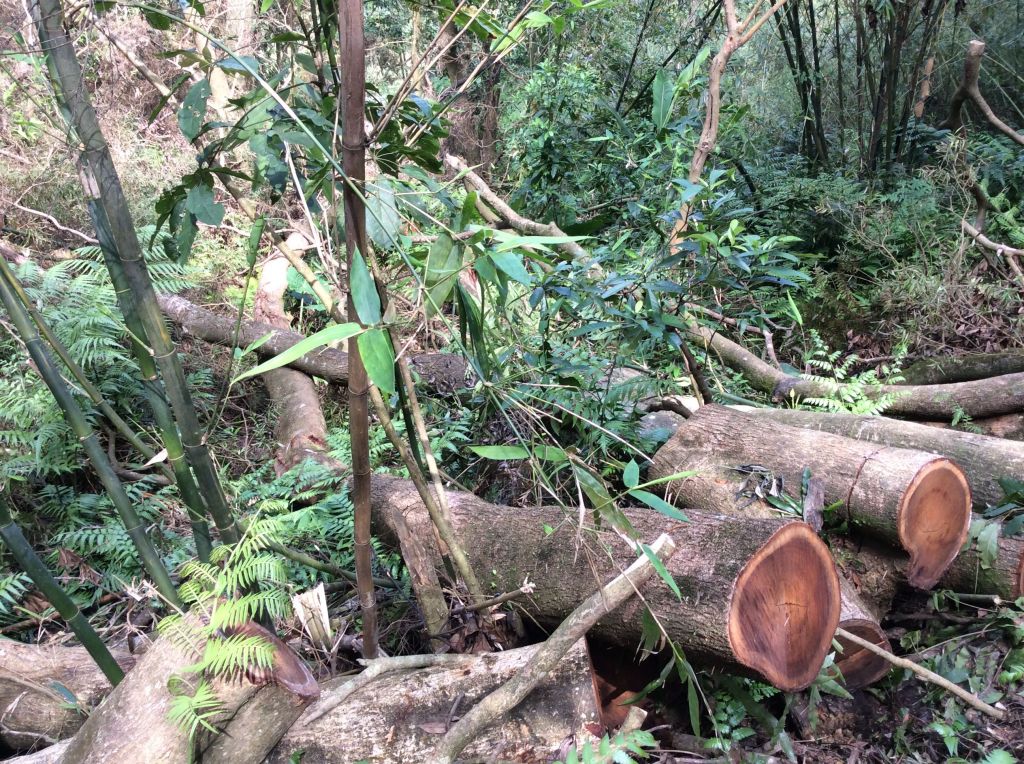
point(659, 566)
point(156, 20)
point(512, 265)
point(444, 260)
point(323, 337)
point(364, 293)
point(500, 453)
point(200, 202)
point(988, 545)
point(253, 245)
point(378, 358)
point(382, 218)
point(193, 109)
point(631, 475)
point(659, 504)
point(664, 92)
point(550, 454)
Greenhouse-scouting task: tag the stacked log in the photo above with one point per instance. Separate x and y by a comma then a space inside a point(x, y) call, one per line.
point(920, 501)
point(758, 595)
point(982, 458)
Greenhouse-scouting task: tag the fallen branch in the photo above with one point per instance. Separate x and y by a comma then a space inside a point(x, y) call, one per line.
point(514, 219)
point(962, 368)
point(439, 371)
point(569, 632)
point(1002, 250)
point(978, 398)
point(928, 676)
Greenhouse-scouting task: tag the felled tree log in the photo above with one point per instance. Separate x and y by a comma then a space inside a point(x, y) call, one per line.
point(1007, 426)
point(918, 500)
point(963, 368)
point(32, 712)
point(979, 398)
point(133, 723)
point(860, 667)
point(1004, 576)
point(761, 594)
point(402, 717)
point(301, 429)
point(983, 459)
point(439, 371)
point(717, 488)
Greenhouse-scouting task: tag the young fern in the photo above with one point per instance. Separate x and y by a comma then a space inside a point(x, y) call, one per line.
point(850, 393)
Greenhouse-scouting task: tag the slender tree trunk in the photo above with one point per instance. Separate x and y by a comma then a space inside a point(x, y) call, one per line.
point(353, 132)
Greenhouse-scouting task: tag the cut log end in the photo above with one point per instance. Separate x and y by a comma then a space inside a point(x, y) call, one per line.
point(793, 572)
point(934, 518)
point(862, 667)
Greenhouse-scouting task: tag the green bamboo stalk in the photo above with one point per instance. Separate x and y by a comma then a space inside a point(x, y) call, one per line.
point(179, 471)
point(116, 231)
point(193, 498)
point(27, 559)
point(81, 379)
point(90, 443)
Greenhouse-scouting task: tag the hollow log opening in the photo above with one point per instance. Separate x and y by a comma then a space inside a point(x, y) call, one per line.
point(933, 520)
point(785, 598)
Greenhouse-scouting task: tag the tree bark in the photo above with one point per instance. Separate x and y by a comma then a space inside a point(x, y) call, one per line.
point(963, 368)
point(917, 500)
point(133, 723)
point(982, 458)
point(979, 398)
point(969, 90)
point(758, 594)
point(439, 371)
point(402, 717)
point(301, 429)
point(1007, 426)
point(859, 666)
point(34, 714)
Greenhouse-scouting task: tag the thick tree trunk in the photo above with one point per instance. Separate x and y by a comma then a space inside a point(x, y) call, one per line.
point(918, 500)
point(1004, 576)
point(978, 398)
point(439, 371)
point(983, 459)
point(719, 489)
point(759, 594)
point(32, 712)
point(133, 723)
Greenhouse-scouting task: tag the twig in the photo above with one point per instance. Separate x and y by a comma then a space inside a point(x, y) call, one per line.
point(53, 221)
point(526, 588)
point(569, 632)
point(928, 676)
point(374, 669)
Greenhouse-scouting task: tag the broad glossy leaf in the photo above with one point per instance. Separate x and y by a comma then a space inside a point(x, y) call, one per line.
point(378, 358)
point(200, 202)
point(382, 218)
point(443, 264)
point(193, 109)
point(323, 337)
point(631, 475)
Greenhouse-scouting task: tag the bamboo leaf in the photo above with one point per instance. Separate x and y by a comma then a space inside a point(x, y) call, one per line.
point(364, 293)
point(664, 92)
point(512, 265)
point(500, 453)
point(662, 571)
point(631, 475)
point(659, 504)
point(323, 337)
point(378, 358)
